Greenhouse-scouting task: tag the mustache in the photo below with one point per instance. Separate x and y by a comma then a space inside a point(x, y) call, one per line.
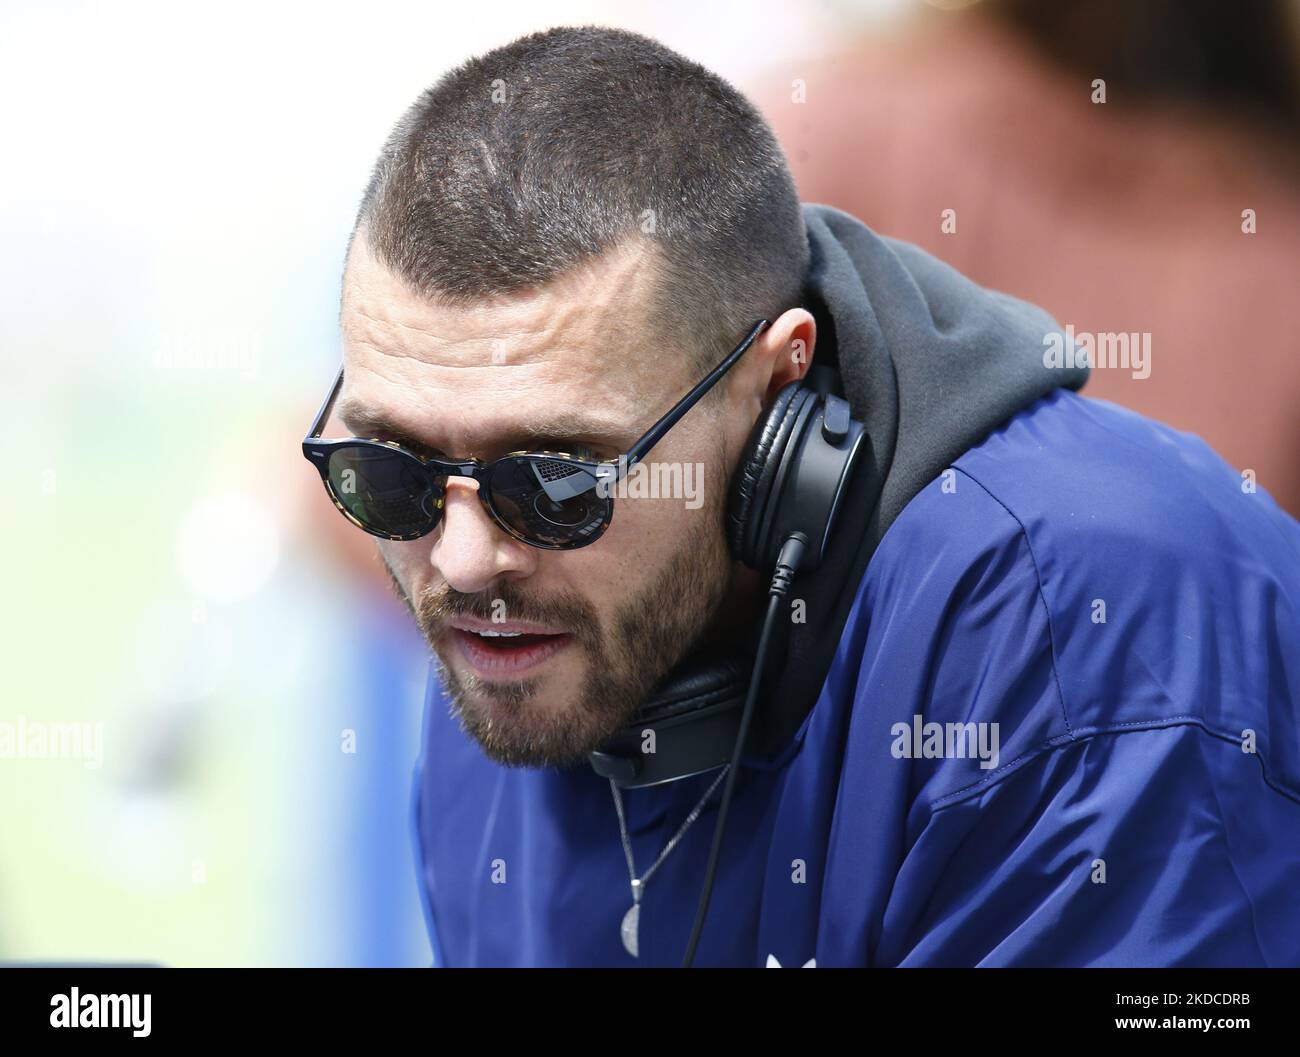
point(436, 606)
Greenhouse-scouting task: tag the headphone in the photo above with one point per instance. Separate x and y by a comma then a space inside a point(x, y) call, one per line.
point(781, 510)
point(788, 484)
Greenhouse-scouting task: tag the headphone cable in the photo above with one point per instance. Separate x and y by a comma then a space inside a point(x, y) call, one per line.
point(787, 564)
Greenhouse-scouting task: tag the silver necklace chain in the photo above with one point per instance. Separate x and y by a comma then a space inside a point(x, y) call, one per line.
point(628, 929)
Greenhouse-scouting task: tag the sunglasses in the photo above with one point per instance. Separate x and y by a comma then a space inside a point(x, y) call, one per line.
point(547, 499)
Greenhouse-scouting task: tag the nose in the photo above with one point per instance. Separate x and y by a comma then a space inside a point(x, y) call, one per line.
point(469, 551)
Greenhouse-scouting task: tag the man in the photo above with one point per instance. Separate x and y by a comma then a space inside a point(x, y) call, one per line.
point(1037, 704)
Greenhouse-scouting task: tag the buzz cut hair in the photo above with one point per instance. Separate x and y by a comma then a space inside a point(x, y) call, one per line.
point(540, 156)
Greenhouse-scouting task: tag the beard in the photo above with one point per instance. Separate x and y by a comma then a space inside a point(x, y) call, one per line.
point(651, 633)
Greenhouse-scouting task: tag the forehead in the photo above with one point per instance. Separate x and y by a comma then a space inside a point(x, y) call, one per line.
point(579, 344)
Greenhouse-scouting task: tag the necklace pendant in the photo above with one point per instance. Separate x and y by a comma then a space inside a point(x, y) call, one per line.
point(628, 930)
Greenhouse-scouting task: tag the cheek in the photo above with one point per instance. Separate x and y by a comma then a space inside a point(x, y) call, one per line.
point(646, 533)
point(407, 562)
point(680, 499)
point(616, 566)
point(673, 503)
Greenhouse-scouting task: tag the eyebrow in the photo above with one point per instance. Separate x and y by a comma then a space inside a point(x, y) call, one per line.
point(560, 428)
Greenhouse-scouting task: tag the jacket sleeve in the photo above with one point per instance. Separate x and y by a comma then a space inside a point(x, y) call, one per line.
point(1154, 843)
point(1149, 847)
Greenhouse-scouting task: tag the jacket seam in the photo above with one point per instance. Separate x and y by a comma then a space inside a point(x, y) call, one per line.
point(1042, 597)
point(1062, 741)
point(1227, 854)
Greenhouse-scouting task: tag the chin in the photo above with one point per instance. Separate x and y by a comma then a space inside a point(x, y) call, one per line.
point(538, 734)
point(547, 721)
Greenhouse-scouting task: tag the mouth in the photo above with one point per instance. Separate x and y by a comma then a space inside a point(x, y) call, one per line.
point(506, 651)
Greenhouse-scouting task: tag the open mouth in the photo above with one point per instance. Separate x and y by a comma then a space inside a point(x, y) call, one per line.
point(506, 653)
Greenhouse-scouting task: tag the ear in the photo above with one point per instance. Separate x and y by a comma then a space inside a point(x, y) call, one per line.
point(787, 346)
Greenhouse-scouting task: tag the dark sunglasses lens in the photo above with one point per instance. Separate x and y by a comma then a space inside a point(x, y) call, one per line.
point(552, 502)
point(387, 491)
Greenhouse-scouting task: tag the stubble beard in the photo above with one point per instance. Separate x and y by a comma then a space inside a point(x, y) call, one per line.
point(651, 633)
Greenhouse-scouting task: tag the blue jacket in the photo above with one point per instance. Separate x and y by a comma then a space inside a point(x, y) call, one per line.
point(1108, 593)
point(1123, 823)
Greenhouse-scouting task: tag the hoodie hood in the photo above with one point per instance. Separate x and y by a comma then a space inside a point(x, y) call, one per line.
point(931, 363)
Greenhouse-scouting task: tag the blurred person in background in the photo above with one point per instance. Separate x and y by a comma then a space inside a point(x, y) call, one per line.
point(1130, 165)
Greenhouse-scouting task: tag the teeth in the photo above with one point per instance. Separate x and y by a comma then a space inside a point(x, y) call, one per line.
point(499, 634)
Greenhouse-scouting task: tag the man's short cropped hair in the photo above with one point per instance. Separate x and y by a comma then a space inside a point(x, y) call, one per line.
point(543, 154)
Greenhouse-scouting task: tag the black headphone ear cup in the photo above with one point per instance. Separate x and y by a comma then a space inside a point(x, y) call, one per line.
point(757, 468)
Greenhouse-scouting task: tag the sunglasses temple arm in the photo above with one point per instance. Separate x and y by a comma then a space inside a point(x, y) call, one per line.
point(318, 425)
point(642, 447)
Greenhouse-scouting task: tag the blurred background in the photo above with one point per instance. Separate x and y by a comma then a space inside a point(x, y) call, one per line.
point(180, 187)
